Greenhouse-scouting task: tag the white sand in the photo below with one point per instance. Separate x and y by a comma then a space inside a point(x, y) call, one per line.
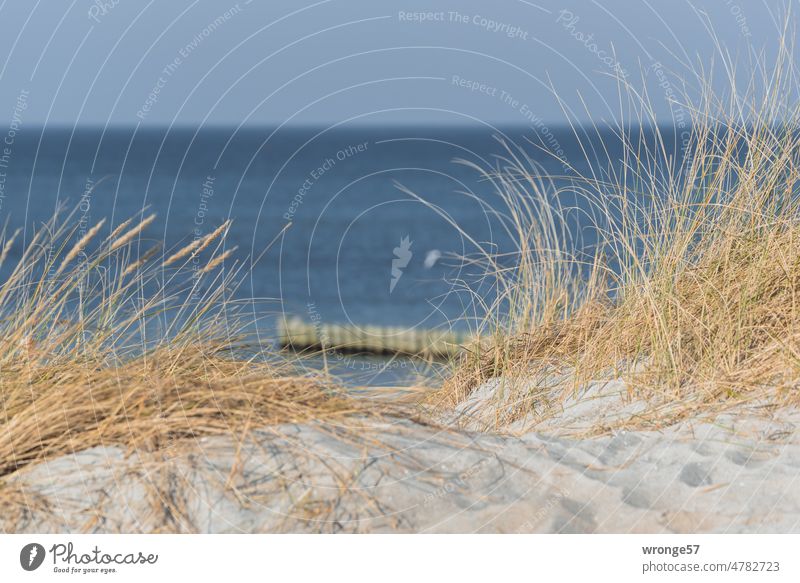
point(740, 474)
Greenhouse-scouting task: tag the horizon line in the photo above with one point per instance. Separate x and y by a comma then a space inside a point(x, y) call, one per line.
point(317, 126)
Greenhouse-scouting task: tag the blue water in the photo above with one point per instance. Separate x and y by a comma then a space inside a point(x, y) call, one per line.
point(338, 187)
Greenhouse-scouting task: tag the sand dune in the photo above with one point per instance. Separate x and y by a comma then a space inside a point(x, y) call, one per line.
point(738, 474)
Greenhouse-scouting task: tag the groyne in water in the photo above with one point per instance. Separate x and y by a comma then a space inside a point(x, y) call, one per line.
point(295, 334)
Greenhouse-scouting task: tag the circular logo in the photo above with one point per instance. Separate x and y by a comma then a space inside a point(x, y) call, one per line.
point(31, 556)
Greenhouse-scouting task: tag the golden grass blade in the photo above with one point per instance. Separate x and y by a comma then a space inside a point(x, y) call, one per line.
point(135, 266)
point(197, 245)
point(217, 261)
point(128, 237)
point(8, 245)
point(207, 240)
point(80, 246)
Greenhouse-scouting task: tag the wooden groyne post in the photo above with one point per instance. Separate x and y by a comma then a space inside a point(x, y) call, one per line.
point(298, 335)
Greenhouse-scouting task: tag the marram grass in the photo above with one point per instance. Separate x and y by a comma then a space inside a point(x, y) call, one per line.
point(692, 294)
point(101, 347)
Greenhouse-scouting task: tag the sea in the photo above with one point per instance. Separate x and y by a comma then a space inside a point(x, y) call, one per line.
point(366, 226)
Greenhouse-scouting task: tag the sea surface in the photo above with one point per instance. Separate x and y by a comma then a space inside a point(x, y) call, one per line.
point(319, 214)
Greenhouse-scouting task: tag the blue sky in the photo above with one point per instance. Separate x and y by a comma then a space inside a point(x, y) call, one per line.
point(329, 62)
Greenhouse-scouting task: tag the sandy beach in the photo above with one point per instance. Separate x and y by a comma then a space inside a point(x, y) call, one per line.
point(737, 473)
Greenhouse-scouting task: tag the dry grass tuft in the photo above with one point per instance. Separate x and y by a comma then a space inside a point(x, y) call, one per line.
point(691, 293)
point(151, 403)
point(102, 352)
